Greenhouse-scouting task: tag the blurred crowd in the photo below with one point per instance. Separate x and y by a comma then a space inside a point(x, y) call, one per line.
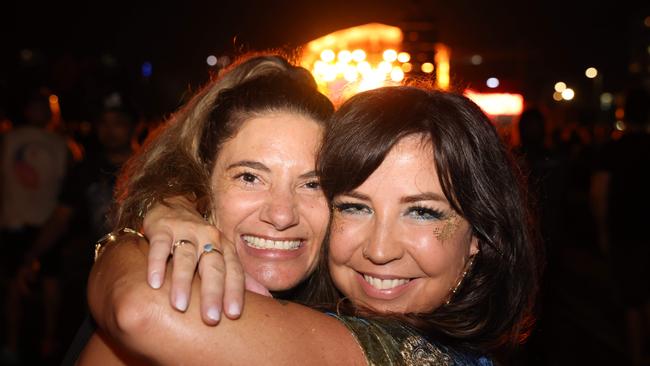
point(589, 181)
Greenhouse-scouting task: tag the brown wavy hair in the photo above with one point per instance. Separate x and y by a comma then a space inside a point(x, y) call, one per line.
point(494, 305)
point(178, 158)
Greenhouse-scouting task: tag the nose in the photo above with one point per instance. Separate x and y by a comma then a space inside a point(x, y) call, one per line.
point(281, 208)
point(384, 245)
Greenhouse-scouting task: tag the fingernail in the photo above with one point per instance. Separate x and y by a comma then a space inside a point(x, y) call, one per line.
point(155, 280)
point(214, 313)
point(234, 309)
point(181, 302)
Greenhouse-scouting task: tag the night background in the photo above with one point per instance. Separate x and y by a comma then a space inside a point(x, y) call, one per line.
point(154, 54)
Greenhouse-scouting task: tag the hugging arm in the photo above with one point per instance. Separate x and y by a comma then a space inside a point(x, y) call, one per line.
point(223, 276)
point(268, 332)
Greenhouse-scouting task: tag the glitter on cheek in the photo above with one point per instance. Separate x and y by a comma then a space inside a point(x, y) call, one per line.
point(447, 229)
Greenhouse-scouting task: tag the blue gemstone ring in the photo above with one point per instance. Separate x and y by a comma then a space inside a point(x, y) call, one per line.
point(209, 248)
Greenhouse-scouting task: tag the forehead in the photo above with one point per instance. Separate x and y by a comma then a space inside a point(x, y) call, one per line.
point(408, 168)
point(281, 134)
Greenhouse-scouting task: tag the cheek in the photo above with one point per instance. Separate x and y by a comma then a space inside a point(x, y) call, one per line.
point(233, 208)
point(346, 236)
point(316, 214)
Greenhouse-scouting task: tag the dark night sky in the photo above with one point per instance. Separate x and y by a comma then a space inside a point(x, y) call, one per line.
point(535, 43)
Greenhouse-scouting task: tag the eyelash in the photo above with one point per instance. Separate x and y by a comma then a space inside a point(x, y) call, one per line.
point(351, 208)
point(314, 184)
point(422, 213)
point(243, 177)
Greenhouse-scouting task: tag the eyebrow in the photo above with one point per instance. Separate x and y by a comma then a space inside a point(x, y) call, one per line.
point(309, 174)
point(427, 196)
point(249, 164)
point(259, 166)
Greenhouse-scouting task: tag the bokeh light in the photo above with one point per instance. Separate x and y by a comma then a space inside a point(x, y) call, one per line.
point(492, 82)
point(427, 67)
point(591, 72)
point(568, 94)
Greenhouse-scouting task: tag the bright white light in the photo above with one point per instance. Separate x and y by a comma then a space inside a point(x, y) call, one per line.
point(211, 60)
point(351, 74)
point(492, 82)
point(397, 74)
point(327, 55)
point(560, 86)
point(390, 55)
point(476, 60)
point(403, 57)
point(591, 72)
point(385, 67)
point(364, 67)
point(345, 56)
point(568, 94)
point(358, 55)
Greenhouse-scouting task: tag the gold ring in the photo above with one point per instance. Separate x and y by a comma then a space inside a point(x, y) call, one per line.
point(178, 243)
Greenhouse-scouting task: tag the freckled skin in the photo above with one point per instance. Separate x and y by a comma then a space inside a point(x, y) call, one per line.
point(263, 187)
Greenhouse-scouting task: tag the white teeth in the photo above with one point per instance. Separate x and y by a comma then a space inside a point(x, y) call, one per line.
point(261, 243)
point(380, 284)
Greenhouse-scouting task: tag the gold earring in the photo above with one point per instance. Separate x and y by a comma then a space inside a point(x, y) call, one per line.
point(468, 267)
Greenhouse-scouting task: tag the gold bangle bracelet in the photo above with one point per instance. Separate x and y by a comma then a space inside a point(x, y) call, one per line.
point(111, 237)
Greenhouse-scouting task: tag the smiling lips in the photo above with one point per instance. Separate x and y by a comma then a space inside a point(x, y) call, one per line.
point(385, 284)
point(261, 243)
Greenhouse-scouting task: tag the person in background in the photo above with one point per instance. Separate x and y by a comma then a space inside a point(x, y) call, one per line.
point(34, 161)
point(80, 216)
point(620, 197)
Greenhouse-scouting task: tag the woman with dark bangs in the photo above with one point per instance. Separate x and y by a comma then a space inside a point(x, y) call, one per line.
point(430, 247)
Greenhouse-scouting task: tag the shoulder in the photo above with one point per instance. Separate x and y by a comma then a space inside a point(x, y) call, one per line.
point(395, 343)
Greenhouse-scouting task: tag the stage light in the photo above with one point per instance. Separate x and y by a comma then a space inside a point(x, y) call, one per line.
point(427, 67)
point(403, 57)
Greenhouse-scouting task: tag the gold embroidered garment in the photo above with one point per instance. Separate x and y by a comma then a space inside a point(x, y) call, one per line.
point(390, 343)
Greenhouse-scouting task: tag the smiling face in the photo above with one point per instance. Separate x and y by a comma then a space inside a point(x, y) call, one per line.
point(268, 199)
point(396, 244)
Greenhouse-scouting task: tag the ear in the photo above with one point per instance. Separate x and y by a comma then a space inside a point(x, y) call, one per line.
point(473, 246)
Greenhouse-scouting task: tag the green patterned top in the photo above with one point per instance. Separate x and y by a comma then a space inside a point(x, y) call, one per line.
point(391, 343)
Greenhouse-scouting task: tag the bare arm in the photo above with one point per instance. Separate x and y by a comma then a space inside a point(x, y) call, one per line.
point(268, 332)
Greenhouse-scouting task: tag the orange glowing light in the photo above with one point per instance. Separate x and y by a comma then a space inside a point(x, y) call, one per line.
point(427, 67)
point(496, 104)
point(620, 113)
point(354, 59)
point(403, 57)
point(443, 53)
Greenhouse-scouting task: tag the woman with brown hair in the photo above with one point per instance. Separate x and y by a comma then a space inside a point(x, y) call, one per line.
point(430, 247)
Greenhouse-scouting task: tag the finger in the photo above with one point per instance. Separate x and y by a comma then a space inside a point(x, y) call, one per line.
point(160, 245)
point(184, 266)
point(233, 301)
point(213, 275)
